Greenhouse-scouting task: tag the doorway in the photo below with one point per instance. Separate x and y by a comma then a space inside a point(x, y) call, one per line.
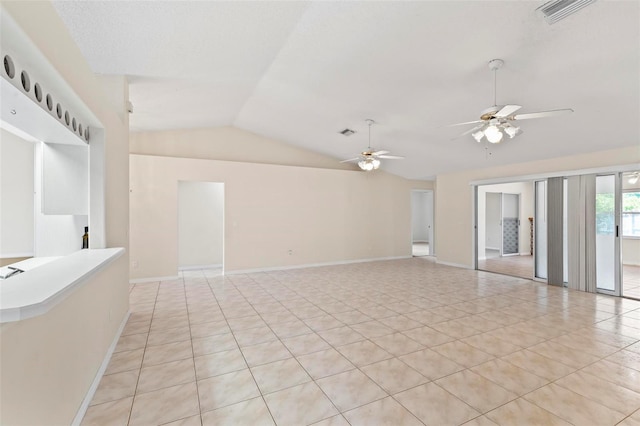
point(201, 226)
point(422, 241)
point(504, 239)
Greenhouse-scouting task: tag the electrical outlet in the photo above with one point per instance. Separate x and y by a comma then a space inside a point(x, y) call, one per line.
point(290, 252)
point(134, 264)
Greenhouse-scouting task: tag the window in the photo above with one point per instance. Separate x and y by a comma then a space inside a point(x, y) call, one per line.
point(631, 214)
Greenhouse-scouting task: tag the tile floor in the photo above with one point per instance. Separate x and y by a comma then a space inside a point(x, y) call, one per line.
point(517, 266)
point(631, 279)
point(405, 342)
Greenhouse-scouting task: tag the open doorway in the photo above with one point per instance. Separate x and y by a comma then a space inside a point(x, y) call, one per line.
point(422, 241)
point(504, 228)
point(201, 227)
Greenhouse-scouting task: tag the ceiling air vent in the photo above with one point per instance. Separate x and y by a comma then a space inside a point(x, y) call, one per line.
point(347, 132)
point(557, 10)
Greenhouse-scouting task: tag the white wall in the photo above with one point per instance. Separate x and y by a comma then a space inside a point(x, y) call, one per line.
point(454, 198)
point(493, 217)
point(200, 223)
point(58, 234)
point(16, 196)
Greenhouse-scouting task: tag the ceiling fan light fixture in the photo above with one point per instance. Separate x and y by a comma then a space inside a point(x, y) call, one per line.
point(376, 163)
point(478, 135)
point(512, 131)
point(493, 134)
point(367, 165)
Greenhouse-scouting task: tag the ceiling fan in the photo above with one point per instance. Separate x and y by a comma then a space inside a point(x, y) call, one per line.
point(370, 159)
point(498, 120)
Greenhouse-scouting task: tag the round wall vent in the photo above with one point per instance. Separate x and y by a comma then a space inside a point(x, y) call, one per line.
point(9, 68)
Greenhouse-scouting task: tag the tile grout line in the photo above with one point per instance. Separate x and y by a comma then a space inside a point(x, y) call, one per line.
point(135, 391)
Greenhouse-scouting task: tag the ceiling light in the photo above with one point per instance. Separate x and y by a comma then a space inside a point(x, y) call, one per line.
point(376, 163)
point(368, 166)
point(493, 134)
point(633, 179)
point(478, 135)
point(512, 131)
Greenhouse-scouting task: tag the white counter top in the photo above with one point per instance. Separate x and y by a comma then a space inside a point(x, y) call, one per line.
point(36, 291)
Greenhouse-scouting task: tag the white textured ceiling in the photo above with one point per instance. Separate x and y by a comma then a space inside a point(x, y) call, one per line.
point(302, 71)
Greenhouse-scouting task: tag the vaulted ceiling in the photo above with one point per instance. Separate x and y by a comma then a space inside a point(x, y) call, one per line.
point(300, 72)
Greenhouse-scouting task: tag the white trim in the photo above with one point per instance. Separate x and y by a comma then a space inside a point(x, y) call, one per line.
point(196, 267)
point(14, 255)
point(96, 380)
point(525, 253)
point(455, 265)
point(313, 265)
point(563, 173)
point(151, 279)
point(492, 248)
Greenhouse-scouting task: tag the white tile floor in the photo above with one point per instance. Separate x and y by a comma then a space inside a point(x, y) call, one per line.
point(404, 342)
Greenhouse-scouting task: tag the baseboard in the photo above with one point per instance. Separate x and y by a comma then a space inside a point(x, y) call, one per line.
point(313, 265)
point(152, 279)
point(492, 248)
point(195, 267)
point(96, 380)
point(15, 255)
point(525, 253)
point(455, 265)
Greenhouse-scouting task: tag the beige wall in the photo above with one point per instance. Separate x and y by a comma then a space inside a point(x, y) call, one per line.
point(49, 362)
point(321, 215)
point(230, 144)
point(454, 200)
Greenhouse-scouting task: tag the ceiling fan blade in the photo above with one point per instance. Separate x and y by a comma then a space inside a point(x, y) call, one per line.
point(463, 124)
point(351, 159)
point(470, 130)
point(507, 110)
point(391, 157)
point(378, 153)
point(542, 114)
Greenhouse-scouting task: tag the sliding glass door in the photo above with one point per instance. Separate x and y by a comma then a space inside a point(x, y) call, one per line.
point(607, 238)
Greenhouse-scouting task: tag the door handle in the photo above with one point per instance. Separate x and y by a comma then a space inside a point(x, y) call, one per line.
point(617, 231)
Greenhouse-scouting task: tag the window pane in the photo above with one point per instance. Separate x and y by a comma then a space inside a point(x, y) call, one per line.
point(631, 214)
